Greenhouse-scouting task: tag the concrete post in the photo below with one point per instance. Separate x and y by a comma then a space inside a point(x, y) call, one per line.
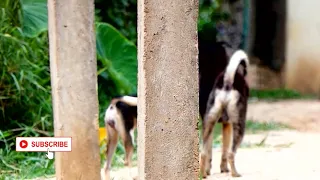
point(168, 144)
point(74, 87)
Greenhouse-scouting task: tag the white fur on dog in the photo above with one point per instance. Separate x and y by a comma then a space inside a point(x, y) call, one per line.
point(233, 65)
point(132, 101)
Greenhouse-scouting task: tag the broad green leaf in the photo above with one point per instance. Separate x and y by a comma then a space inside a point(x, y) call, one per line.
point(118, 55)
point(34, 17)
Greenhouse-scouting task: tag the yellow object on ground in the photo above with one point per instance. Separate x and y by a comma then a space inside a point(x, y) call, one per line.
point(103, 136)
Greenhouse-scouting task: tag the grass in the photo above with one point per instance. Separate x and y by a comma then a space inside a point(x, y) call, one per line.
point(252, 127)
point(278, 94)
point(18, 165)
point(256, 127)
point(22, 165)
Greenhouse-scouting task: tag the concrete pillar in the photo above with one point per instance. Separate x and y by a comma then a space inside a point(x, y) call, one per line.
point(74, 87)
point(168, 111)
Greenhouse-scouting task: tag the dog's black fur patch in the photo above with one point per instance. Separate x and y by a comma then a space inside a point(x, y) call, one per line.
point(129, 113)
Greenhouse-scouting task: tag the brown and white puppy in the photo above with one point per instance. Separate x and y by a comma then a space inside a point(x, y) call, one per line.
point(120, 120)
point(227, 104)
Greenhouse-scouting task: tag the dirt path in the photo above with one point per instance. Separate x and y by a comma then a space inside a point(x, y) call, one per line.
point(285, 155)
point(302, 115)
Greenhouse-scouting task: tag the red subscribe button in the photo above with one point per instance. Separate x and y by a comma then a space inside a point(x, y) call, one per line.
point(41, 144)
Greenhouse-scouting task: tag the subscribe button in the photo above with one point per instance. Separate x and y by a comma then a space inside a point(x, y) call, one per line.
point(41, 144)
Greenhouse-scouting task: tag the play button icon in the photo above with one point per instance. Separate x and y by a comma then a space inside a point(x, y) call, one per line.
point(23, 144)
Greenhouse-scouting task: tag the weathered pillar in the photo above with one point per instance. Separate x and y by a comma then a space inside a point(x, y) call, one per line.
point(74, 87)
point(168, 89)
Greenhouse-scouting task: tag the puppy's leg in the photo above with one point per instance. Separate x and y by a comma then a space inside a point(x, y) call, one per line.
point(209, 122)
point(238, 133)
point(111, 147)
point(127, 141)
point(132, 137)
point(206, 155)
point(226, 146)
point(237, 109)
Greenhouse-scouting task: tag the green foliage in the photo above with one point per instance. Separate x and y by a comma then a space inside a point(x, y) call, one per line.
point(25, 97)
point(256, 127)
point(117, 64)
point(17, 165)
point(122, 14)
point(34, 17)
point(209, 14)
point(24, 94)
point(24, 77)
point(118, 57)
point(10, 12)
point(277, 94)
point(252, 127)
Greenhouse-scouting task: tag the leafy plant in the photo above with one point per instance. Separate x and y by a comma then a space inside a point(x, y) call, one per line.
point(118, 57)
point(117, 64)
point(120, 14)
point(25, 99)
point(34, 17)
point(24, 75)
point(25, 92)
point(209, 14)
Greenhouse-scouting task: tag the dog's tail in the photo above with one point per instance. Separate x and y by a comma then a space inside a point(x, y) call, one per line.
point(130, 100)
point(238, 58)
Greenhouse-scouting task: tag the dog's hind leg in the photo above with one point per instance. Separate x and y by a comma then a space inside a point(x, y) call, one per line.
point(111, 147)
point(132, 137)
point(206, 155)
point(128, 145)
point(226, 146)
point(238, 133)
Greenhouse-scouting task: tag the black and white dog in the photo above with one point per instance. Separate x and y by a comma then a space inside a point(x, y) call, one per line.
point(121, 115)
point(120, 120)
point(227, 104)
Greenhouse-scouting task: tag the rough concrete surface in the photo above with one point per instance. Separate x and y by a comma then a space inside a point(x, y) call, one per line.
point(168, 81)
point(74, 87)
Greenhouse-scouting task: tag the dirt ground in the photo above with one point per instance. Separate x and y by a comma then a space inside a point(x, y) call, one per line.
point(285, 155)
point(302, 115)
